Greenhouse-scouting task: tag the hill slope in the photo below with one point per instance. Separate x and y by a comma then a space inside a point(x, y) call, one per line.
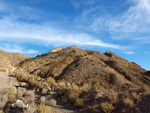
point(74, 78)
point(10, 59)
point(78, 66)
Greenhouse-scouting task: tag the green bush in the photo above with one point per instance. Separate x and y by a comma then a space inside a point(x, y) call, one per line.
point(107, 107)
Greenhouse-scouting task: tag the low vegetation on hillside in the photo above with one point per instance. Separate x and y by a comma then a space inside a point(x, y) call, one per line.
point(89, 81)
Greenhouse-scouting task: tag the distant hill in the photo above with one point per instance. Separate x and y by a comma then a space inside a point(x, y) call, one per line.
point(7, 60)
point(74, 65)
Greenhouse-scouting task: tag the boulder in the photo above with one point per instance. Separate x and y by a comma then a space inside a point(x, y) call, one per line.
point(21, 91)
point(48, 100)
point(44, 91)
point(19, 104)
point(31, 95)
point(51, 102)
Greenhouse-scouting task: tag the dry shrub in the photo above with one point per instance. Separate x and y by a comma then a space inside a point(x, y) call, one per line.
point(10, 92)
point(128, 103)
point(70, 94)
point(73, 95)
point(51, 81)
point(113, 97)
point(86, 87)
point(75, 87)
point(79, 102)
point(100, 88)
point(3, 70)
point(33, 82)
point(107, 107)
point(42, 108)
point(135, 97)
point(64, 91)
point(37, 77)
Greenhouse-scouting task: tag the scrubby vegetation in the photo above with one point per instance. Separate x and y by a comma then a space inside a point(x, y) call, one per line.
point(3, 70)
point(42, 108)
point(107, 107)
point(90, 81)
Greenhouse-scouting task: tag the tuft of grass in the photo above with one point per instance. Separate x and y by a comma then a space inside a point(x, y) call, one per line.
point(128, 103)
point(75, 87)
point(51, 81)
point(79, 102)
point(135, 97)
point(107, 107)
point(42, 108)
point(100, 88)
point(10, 92)
point(3, 70)
point(86, 87)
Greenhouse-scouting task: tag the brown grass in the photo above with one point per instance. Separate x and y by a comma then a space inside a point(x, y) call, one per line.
point(128, 103)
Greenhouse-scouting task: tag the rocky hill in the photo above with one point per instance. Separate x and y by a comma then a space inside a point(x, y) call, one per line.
point(74, 65)
point(73, 80)
point(8, 60)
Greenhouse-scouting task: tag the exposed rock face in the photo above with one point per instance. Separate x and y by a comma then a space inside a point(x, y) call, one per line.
point(56, 49)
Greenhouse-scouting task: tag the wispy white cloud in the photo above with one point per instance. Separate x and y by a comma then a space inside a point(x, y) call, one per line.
point(135, 19)
point(79, 3)
point(11, 28)
point(45, 33)
point(17, 49)
point(128, 52)
point(130, 22)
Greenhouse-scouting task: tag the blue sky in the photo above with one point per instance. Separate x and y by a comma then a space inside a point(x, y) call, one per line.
point(34, 27)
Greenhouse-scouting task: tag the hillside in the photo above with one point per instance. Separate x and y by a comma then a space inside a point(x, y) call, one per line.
point(73, 80)
point(78, 66)
point(8, 60)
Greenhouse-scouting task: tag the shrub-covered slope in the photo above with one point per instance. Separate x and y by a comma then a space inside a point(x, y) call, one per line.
point(10, 59)
point(99, 71)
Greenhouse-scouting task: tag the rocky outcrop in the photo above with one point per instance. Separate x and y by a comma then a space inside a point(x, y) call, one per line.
point(56, 49)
